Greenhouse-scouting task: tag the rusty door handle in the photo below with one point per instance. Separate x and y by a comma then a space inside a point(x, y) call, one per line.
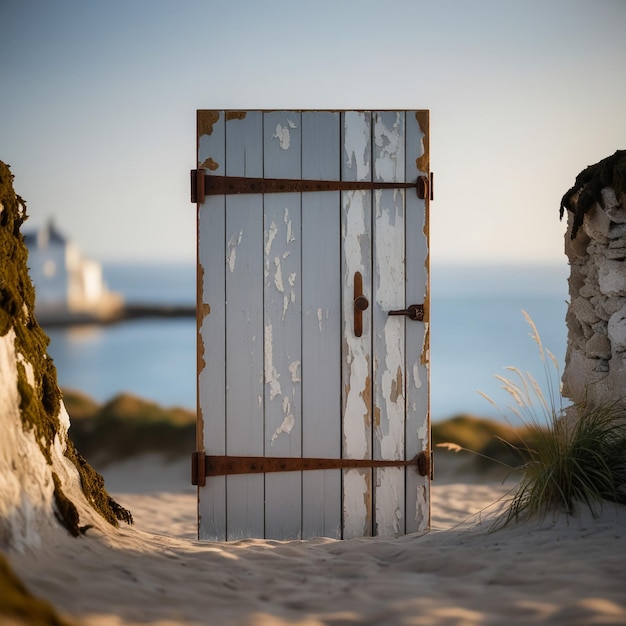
point(360, 304)
point(413, 311)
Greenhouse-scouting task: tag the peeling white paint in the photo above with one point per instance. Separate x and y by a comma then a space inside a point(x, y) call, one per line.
point(356, 409)
point(293, 369)
point(285, 428)
point(355, 510)
point(271, 375)
point(290, 236)
point(422, 508)
point(357, 143)
point(282, 133)
point(232, 250)
point(389, 142)
point(271, 234)
point(278, 276)
point(389, 344)
point(390, 500)
point(416, 375)
point(320, 314)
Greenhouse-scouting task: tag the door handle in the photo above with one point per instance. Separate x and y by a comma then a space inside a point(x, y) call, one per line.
point(413, 311)
point(360, 304)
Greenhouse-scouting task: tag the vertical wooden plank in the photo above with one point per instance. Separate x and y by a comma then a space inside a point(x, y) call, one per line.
point(417, 333)
point(211, 326)
point(356, 365)
point(388, 332)
point(282, 331)
point(244, 325)
point(321, 325)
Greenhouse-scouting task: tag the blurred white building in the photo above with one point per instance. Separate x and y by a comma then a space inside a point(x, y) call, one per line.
point(68, 286)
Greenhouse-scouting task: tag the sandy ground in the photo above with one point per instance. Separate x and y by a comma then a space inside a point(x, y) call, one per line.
point(564, 571)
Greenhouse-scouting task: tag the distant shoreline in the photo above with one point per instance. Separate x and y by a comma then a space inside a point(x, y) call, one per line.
point(60, 319)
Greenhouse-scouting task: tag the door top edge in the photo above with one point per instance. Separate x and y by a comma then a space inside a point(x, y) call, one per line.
point(314, 110)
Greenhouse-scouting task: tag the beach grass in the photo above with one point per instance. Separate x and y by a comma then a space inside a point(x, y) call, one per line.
point(571, 456)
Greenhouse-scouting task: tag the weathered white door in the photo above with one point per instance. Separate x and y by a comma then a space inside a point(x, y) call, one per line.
point(299, 362)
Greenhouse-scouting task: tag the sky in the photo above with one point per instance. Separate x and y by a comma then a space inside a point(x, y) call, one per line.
point(98, 103)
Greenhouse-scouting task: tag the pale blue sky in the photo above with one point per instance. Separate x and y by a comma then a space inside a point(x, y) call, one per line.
point(98, 101)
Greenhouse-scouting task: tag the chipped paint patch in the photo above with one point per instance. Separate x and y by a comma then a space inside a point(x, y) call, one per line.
point(416, 376)
point(210, 163)
point(290, 236)
point(235, 115)
point(356, 504)
point(271, 375)
point(357, 144)
point(320, 315)
point(293, 370)
point(285, 428)
point(422, 508)
point(278, 276)
point(271, 235)
point(390, 509)
point(389, 142)
point(232, 250)
point(283, 134)
point(206, 121)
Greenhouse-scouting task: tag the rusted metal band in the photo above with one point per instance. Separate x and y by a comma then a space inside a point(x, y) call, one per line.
point(203, 184)
point(208, 465)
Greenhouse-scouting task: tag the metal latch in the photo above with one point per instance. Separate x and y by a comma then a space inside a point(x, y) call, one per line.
point(413, 311)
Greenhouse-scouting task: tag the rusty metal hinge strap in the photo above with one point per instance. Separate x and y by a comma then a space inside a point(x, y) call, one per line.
point(207, 465)
point(202, 185)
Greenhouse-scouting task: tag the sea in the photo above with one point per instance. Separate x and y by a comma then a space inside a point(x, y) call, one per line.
point(478, 329)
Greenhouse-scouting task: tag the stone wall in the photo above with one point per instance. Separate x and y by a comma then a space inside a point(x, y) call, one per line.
point(595, 244)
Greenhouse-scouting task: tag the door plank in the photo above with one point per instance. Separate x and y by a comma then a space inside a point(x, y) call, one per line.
point(212, 326)
point(388, 333)
point(356, 363)
point(417, 334)
point(321, 325)
point(244, 326)
point(282, 331)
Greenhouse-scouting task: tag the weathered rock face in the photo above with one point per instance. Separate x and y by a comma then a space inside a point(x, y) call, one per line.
point(595, 244)
point(43, 479)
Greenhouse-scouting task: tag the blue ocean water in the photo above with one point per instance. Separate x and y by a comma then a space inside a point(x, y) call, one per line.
point(477, 329)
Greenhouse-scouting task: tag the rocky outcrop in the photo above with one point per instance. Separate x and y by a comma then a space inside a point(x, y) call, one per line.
point(595, 244)
point(44, 482)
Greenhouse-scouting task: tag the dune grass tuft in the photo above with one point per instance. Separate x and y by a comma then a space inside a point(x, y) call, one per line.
point(567, 457)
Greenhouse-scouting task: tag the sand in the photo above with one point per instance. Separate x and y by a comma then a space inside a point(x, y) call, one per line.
point(564, 571)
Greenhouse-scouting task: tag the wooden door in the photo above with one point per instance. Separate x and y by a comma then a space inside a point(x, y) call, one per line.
point(282, 371)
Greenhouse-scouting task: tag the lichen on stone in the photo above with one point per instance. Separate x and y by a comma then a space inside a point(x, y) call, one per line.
point(610, 172)
point(39, 393)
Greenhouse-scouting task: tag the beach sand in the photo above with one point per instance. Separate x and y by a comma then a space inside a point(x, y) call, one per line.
point(566, 571)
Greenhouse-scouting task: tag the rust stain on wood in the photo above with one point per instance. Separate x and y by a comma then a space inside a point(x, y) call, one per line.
point(377, 417)
point(424, 359)
point(206, 121)
point(210, 164)
point(235, 115)
point(423, 162)
point(366, 395)
point(396, 386)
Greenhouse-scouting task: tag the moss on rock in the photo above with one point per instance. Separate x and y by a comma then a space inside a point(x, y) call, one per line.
point(610, 172)
point(40, 396)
